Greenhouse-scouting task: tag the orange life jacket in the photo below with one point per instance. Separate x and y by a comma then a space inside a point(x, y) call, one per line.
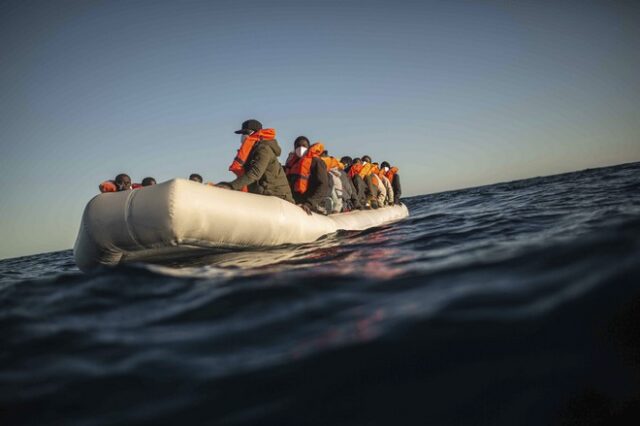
point(136, 186)
point(108, 186)
point(374, 174)
point(237, 166)
point(332, 163)
point(391, 173)
point(382, 174)
point(301, 170)
point(366, 169)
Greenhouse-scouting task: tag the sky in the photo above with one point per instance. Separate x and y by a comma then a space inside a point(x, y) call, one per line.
point(455, 93)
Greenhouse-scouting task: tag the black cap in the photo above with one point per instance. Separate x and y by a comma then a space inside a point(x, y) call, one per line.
point(249, 126)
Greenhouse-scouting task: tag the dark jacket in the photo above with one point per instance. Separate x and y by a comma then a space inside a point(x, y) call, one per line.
point(397, 189)
point(372, 190)
point(318, 190)
point(361, 189)
point(263, 172)
point(349, 192)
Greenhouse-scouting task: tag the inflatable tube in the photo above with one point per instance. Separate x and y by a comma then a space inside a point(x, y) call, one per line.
point(181, 218)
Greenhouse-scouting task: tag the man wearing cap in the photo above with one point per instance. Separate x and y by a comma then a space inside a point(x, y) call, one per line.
point(256, 164)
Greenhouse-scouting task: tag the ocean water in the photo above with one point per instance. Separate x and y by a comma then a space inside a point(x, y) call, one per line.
point(510, 304)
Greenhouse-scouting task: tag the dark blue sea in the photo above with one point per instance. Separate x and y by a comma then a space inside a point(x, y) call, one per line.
point(510, 304)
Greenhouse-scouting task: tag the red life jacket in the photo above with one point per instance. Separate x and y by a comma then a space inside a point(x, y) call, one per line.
point(355, 170)
point(108, 186)
point(237, 166)
point(301, 169)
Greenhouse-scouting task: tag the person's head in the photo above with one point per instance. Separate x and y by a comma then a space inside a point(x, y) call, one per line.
point(249, 127)
point(301, 145)
point(324, 153)
point(346, 160)
point(385, 166)
point(366, 159)
point(195, 177)
point(357, 160)
point(123, 182)
point(148, 181)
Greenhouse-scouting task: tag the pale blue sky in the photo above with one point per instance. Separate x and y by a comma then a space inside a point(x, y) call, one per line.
point(456, 94)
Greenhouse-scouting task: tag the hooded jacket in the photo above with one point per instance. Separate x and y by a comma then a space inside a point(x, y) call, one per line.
point(263, 173)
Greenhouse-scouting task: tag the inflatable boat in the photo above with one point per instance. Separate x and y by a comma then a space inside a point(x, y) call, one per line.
point(180, 219)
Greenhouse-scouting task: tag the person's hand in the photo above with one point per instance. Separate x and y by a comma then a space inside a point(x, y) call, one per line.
point(306, 208)
point(224, 185)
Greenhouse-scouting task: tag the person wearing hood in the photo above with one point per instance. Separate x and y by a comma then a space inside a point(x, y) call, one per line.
point(308, 176)
point(392, 174)
point(256, 164)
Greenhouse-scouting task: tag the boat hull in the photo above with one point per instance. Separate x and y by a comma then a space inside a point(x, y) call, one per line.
point(181, 218)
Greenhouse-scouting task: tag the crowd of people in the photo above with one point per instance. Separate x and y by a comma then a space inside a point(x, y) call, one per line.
point(310, 177)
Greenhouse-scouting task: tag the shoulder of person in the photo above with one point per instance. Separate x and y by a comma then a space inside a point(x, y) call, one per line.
point(318, 162)
point(264, 147)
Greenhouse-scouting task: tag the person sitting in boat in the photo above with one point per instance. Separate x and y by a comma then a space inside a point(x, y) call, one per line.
point(339, 192)
point(331, 162)
point(355, 200)
point(387, 186)
point(352, 168)
point(371, 189)
point(122, 182)
point(148, 181)
point(195, 177)
point(384, 186)
point(380, 186)
point(349, 199)
point(392, 174)
point(256, 163)
point(308, 176)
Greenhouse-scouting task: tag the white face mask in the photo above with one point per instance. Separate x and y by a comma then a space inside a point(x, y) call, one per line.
point(300, 151)
point(386, 169)
point(364, 163)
